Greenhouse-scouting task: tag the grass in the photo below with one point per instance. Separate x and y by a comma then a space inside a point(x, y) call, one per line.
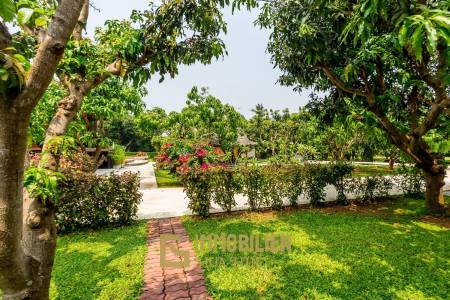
point(371, 170)
point(106, 264)
point(388, 252)
point(165, 179)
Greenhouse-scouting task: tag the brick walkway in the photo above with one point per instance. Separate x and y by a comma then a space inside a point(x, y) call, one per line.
point(171, 283)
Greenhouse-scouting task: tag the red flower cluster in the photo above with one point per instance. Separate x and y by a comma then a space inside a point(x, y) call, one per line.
point(184, 158)
point(200, 153)
point(204, 166)
point(183, 169)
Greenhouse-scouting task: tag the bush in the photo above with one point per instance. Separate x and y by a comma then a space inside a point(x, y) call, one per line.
point(254, 186)
point(198, 187)
point(411, 180)
point(92, 201)
point(368, 189)
point(119, 154)
point(295, 184)
point(186, 155)
point(264, 186)
point(224, 187)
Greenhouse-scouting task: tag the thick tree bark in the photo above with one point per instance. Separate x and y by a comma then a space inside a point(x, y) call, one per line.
point(13, 137)
point(39, 241)
point(67, 109)
point(82, 22)
point(434, 197)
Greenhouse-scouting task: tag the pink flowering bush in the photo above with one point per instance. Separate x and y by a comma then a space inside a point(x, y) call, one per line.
point(197, 165)
point(184, 156)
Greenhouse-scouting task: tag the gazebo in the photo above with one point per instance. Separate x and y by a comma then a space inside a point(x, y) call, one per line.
point(244, 147)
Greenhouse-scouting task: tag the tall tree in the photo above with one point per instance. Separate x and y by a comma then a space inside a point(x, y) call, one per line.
point(390, 57)
point(155, 41)
point(27, 242)
point(206, 118)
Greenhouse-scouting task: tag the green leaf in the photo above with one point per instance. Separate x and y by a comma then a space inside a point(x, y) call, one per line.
point(416, 41)
point(24, 15)
point(431, 37)
point(403, 35)
point(40, 22)
point(7, 10)
point(443, 20)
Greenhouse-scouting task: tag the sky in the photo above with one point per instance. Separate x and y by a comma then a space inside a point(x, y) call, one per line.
point(243, 78)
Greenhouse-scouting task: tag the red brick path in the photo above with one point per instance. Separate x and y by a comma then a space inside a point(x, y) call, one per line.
point(171, 283)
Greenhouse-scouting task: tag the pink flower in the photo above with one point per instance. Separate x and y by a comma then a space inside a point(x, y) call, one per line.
point(183, 169)
point(201, 153)
point(184, 158)
point(161, 157)
point(166, 146)
point(204, 166)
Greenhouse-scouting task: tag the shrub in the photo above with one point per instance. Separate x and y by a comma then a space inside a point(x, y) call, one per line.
point(184, 154)
point(295, 184)
point(119, 154)
point(198, 188)
point(254, 185)
point(92, 201)
point(224, 185)
point(338, 173)
point(264, 186)
point(411, 180)
point(367, 189)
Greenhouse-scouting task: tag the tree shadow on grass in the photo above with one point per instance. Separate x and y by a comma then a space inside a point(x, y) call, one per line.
point(334, 256)
point(106, 264)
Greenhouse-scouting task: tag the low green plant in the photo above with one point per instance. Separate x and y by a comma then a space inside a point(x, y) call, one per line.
point(369, 189)
point(411, 180)
point(89, 201)
point(198, 187)
point(225, 185)
point(254, 186)
point(263, 185)
point(118, 154)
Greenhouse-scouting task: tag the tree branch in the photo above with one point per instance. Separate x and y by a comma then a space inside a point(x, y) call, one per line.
point(412, 101)
point(82, 22)
point(5, 37)
point(49, 53)
point(112, 69)
point(341, 85)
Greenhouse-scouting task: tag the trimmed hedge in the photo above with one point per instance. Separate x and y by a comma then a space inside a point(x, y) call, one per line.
point(269, 185)
point(89, 201)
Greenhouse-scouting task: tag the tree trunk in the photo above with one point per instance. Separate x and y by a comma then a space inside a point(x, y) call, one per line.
point(67, 109)
point(27, 229)
point(13, 137)
point(391, 163)
point(434, 196)
point(39, 243)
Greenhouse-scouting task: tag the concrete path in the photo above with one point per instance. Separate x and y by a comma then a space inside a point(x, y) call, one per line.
point(145, 169)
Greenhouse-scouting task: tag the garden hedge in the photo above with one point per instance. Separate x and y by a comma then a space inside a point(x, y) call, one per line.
point(269, 185)
point(89, 201)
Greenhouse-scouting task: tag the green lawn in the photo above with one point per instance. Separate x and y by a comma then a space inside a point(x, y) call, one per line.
point(165, 179)
point(386, 252)
point(371, 170)
point(106, 264)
